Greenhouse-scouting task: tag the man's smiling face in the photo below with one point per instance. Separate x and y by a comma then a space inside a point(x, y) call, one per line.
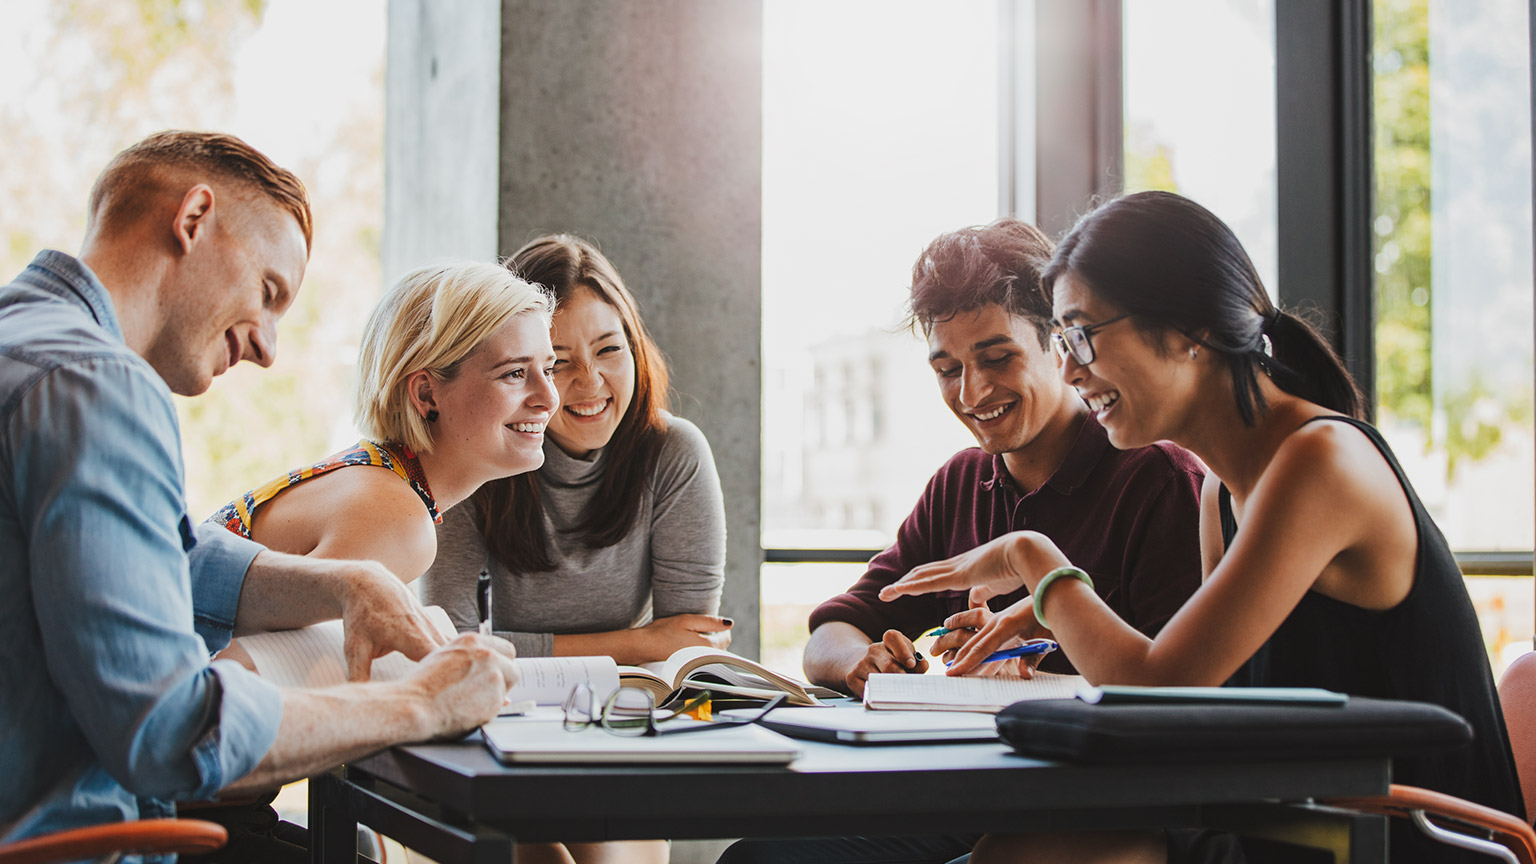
point(995, 375)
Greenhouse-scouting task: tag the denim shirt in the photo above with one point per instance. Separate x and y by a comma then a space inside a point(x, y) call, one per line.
point(110, 605)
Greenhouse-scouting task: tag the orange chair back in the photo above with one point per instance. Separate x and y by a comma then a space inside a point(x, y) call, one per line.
point(182, 836)
point(1517, 693)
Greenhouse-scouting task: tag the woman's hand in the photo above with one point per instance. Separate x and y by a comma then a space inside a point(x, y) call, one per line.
point(660, 638)
point(1018, 625)
point(994, 632)
point(991, 569)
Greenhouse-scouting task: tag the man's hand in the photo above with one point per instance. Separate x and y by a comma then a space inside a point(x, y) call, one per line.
point(379, 614)
point(893, 653)
point(465, 682)
point(454, 689)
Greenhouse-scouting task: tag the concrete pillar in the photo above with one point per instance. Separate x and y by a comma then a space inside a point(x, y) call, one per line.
point(440, 145)
point(639, 126)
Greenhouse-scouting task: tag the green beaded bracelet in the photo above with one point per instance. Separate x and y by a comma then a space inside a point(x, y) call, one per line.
point(1039, 596)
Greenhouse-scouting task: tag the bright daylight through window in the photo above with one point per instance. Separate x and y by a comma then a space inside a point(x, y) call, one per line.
point(879, 133)
point(1453, 262)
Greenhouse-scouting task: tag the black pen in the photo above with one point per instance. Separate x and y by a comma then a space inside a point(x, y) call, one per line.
point(483, 600)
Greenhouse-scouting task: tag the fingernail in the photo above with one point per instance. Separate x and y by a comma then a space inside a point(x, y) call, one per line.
point(729, 622)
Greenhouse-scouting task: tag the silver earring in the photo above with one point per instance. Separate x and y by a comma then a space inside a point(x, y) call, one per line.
point(1193, 353)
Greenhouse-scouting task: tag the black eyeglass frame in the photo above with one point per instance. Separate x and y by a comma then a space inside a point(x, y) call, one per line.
point(622, 726)
point(1062, 340)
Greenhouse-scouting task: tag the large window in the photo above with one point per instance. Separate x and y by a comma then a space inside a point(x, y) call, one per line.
point(1200, 111)
point(1453, 273)
point(81, 80)
point(879, 133)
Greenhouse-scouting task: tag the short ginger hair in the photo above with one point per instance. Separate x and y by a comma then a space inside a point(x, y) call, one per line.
point(128, 182)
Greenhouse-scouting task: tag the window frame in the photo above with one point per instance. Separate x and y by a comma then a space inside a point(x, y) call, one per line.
point(1325, 167)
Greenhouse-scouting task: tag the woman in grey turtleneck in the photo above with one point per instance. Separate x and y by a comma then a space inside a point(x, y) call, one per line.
point(616, 545)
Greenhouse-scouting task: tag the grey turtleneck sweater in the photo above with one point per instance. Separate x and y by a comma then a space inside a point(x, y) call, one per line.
point(671, 562)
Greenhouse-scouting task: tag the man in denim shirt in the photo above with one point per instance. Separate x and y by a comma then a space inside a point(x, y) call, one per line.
point(110, 603)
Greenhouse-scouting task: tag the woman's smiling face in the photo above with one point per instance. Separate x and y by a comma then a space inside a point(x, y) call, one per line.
point(594, 371)
point(1138, 389)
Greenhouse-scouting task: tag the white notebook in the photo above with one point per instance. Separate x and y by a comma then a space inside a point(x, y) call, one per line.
point(942, 693)
point(519, 742)
point(313, 657)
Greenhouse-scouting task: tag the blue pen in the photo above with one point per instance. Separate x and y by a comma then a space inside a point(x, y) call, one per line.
point(1033, 646)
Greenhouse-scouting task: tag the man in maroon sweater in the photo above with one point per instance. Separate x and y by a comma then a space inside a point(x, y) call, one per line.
point(1128, 517)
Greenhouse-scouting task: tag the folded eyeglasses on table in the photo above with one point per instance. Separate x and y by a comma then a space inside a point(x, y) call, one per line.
point(630, 711)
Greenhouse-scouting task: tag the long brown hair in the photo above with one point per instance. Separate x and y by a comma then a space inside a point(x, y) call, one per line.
point(511, 514)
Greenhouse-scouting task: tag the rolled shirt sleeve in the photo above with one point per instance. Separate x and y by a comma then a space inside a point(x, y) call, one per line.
point(218, 563)
point(108, 538)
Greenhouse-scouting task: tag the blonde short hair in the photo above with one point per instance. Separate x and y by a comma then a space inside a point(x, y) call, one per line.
point(430, 321)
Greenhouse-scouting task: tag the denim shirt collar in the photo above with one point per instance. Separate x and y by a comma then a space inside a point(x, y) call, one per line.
point(67, 277)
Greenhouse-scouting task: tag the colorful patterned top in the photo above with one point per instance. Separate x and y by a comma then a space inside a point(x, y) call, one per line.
point(237, 514)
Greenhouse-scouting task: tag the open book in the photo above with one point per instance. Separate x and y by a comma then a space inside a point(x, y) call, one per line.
point(943, 693)
point(314, 657)
point(704, 668)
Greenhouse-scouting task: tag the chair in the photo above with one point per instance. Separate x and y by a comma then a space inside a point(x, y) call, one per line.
point(1507, 837)
point(115, 839)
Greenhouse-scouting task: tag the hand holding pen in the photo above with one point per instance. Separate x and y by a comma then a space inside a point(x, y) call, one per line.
point(992, 633)
point(1030, 648)
point(958, 637)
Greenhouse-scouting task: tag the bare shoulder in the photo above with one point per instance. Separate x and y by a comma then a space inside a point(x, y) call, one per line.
point(362, 512)
point(1334, 452)
point(1333, 473)
point(1329, 483)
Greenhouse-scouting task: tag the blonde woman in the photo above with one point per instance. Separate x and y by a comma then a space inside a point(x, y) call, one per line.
point(454, 390)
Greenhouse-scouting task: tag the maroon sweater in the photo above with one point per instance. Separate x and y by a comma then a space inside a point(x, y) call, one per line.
point(1130, 518)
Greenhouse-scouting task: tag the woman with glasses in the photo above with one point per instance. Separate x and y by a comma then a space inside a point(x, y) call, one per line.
point(1322, 566)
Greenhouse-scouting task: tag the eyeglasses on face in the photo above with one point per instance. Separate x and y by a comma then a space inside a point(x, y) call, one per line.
point(1077, 342)
point(632, 712)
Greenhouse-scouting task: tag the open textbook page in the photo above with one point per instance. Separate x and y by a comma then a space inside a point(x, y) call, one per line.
point(706, 668)
point(314, 657)
point(943, 693)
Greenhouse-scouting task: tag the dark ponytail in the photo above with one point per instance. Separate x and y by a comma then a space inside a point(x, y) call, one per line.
point(1174, 266)
point(1305, 365)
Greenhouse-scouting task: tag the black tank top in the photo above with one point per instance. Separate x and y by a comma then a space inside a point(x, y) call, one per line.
point(1428, 648)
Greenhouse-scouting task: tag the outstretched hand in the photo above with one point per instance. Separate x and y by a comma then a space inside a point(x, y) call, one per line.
point(994, 568)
